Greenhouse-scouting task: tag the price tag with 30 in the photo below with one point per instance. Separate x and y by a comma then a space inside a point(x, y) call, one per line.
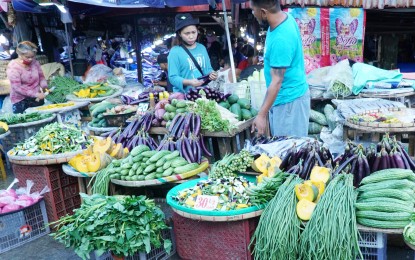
point(205, 202)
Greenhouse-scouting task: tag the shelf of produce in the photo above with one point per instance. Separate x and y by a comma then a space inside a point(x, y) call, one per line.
point(380, 230)
point(219, 143)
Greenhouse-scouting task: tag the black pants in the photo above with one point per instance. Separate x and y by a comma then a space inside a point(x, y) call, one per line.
point(21, 106)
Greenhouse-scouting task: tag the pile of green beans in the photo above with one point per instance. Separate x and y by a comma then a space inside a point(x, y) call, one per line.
point(340, 90)
point(332, 233)
point(101, 180)
point(262, 193)
point(278, 231)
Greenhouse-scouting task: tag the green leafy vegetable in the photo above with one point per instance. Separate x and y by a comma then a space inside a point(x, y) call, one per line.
point(62, 87)
point(212, 120)
point(12, 119)
point(123, 225)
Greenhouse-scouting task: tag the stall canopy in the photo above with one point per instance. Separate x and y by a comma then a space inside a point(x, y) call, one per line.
point(123, 3)
point(178, 3)
point(29, 7)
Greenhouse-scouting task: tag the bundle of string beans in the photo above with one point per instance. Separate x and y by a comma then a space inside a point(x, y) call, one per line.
point(278, 231)
point(332, 233)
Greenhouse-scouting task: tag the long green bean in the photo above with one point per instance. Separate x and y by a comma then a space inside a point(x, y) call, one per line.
point(332, 232)
point(278, 231)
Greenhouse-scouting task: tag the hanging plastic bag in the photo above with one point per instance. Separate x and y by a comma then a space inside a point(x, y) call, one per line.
point(339, 80)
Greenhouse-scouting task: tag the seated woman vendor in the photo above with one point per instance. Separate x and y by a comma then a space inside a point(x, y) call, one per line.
point(183, 71)
point(26, 78)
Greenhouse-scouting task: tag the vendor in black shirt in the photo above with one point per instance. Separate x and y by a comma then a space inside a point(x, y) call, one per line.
point(164, 81)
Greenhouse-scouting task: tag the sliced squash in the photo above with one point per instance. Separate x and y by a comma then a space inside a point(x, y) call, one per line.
point(260, 178)
point(319, 185)
point(305, 209)
point(261, 164)
point(126, 152)
point(98, 161)
point(4, 126)
point(103, 145)
point(273, 166)
point(72, 161)
point(320, 174)
point(307, 192)
point(81, 164)
point(115, 152)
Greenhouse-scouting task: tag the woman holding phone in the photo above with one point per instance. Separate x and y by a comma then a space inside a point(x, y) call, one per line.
point(188, 63)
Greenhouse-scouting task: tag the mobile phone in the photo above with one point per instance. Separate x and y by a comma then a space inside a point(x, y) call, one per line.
point(205, 79)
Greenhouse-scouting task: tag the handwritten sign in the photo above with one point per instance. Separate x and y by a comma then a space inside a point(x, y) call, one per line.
point(205, 202)
point(142, 108)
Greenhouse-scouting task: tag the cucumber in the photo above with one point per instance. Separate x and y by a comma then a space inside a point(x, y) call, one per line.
point(116, 163)
point(131, 172)
point(135, 166)
point(181, 104)
point(232, 99)
point(134, 178)
point(161, 162)
point(124, 172)
point(140, 177)
point(236, 109)
point(178, 162)
point(186, 168)
point(167, 165)
point(244, 103)
point(159, 170)
point(150, 168)
point(140, 170)
point(317, 117)
point(402, 194)
point(172, 155)
point(168, 172)
point(181, 110)
point(390, 184)
point(159, 155)
point(384, 216)
point(150, 176)
point(139, 149)
point(381, 224)
point(225, 104)
point(126, 166)
point(149, 153)
point(159, 175)
point(246, 114)
point(138, 158)
point(169, 108)
point(384, 207)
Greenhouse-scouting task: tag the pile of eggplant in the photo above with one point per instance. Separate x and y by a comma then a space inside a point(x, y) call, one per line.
point(184, 136)
point(302, 161)
point(387, 154)
point(136, 133)
point(267, 140)
point(210, 93)
point(142, 97)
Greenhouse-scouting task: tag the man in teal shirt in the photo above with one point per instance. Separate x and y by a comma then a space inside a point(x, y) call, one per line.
point(183, 72)
point(287, 101)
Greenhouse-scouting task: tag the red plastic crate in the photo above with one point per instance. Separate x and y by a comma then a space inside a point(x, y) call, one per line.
point(213, 240)
point(64, 194)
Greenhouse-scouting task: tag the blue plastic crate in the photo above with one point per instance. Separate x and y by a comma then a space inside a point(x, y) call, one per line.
point(373, 245)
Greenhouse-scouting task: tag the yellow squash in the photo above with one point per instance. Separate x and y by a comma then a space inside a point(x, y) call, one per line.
point(261, 164)
point(305, 209)
point(320, 174)
point(307, 192)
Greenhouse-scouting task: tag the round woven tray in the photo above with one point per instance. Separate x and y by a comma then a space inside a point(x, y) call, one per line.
point(118, 91)
point(42, 159)
point(4, 135)
point(203, 166)
point(252, 214)
point(101, 129)
point(46, 120)
point(69, 170)
point(382, 127)
point(59, 110)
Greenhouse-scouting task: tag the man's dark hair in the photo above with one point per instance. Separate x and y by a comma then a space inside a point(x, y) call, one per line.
point(272, 6)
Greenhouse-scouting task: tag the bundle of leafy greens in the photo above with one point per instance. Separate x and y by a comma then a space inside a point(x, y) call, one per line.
point(212, 120)
point(123, 225)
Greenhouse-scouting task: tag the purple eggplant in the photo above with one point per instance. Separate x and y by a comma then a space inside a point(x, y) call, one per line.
point(202, 145)
point(399, 161)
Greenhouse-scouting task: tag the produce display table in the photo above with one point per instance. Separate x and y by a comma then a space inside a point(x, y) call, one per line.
point(380, 230)
point(400, 95)
point(400, 130)
point(219, 143)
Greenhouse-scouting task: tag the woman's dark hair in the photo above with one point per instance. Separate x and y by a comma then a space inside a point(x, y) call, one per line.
point(248, 51)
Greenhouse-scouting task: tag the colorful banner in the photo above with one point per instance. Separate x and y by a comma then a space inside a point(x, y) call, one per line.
point(347, 33)
point(330, 35)
point(310, 21)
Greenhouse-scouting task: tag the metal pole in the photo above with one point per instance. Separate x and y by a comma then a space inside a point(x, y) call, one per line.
point(138, 51)
point(228, 38)
point(69, 49)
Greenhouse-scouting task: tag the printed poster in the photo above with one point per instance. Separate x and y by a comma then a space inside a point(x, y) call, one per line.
point(347, 33)
point(314, 35)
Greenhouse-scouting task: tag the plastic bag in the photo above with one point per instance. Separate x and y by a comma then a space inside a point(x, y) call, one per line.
point(339, 80)
point(7, 106)
point(333, 140)
point(316, 77)
point(98, 73)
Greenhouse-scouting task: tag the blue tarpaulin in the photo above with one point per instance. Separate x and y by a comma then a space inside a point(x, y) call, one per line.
point(29, 7)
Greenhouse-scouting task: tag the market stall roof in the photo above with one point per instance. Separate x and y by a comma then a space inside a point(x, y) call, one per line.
point(29, 7)
point(178, 3)
point(366, 4)
point(123, 3)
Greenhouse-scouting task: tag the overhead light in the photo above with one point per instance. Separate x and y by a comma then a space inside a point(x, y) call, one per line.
point(60, 7)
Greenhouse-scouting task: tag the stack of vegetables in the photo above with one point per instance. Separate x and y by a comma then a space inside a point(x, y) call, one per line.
point(208, 92)
point(51, 139)
point(308, 157)
point(386, 199)
point(320, 119)
point(166, 114)
point(55, 106)
point(331, 232)
point(124, 225)
point(144, 97)
point(231, 193)
point(136, 133)
point(94, 90)
point(97, 113)
point(143, 164)
point(387, 154)
point(98, 156)
point(374, 117)
point(61, 86)
point(213, 118)
point(278, 230)
point(308, 194)
point(266, 166)
point(3, 128)
point(241, 107)
point(231, 165)
point(13, 119)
